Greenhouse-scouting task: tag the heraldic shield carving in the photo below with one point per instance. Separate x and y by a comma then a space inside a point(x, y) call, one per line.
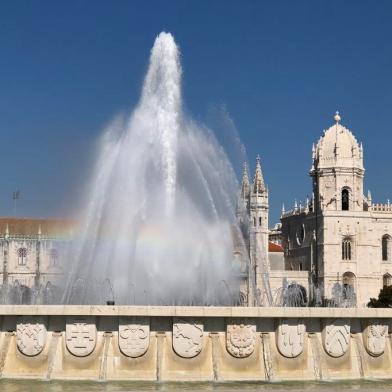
point(187, 337)
point(240, 339)
point(134, 336)
point(30, 336)
point(336, 337)
point(375, 337)
point(290, 337)
point(80, 336)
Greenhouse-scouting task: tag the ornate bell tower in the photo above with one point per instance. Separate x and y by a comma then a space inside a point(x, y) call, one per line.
point(337, 170)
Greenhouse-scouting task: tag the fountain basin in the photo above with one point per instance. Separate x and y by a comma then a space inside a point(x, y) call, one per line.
point(179, 343)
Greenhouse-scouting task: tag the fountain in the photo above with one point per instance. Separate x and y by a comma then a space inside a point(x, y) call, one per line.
point(291, 294)
point(161, 206)
point(160, 214)
point(343, 296)
point(158, 230)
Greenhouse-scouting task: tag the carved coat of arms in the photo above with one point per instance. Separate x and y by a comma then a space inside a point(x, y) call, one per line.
point(30, 336)
point(336, 337)
point(375, 337)
point(187, 338)
point(80, 336)
point(290, 337)
point(133, 336)
point(240, 339)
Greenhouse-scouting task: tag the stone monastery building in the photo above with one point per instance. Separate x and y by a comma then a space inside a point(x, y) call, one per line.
point(32, 250)
point(340, 235)
point(337, 247)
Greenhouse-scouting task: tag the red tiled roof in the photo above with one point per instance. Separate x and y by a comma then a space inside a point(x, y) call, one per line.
point(272, 247)
point(31, 226)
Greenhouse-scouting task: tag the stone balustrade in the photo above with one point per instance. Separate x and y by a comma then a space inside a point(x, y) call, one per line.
point(381, 207)
point(194, 343)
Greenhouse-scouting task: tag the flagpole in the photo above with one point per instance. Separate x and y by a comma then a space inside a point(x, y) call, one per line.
point(15, 197)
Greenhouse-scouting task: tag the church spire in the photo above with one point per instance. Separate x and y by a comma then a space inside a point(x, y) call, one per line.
point(245, 181)
point(258, 180)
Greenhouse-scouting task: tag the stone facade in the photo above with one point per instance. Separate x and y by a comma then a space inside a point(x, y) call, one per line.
point(339, 235)
point(32, 251)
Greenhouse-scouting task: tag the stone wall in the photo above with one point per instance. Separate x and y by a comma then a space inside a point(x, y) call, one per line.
point(194, 343)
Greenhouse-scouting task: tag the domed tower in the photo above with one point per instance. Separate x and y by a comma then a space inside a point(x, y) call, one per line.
point(342, 238)
point(337, 170)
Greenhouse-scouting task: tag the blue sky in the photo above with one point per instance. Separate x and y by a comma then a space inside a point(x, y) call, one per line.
point(277, 69)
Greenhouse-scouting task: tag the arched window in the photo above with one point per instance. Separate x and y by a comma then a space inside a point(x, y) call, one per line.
point(387, 280)
point(259, 220)
point(345, 199)
point(348, 290)
point(348, 279)
point(300, 235)
point(386, 243)
point(346, 248)
point(54, 256)
point(254, 222)
point(22, 256)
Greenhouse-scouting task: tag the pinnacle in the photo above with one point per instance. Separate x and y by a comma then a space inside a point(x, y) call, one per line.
point(337, 117)
point(245, 181)
point(258, 181)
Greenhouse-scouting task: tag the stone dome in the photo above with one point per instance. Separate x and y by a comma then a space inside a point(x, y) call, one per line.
point(338, 147)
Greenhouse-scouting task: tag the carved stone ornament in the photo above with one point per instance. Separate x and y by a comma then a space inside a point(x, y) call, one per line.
point(80, 336)
point(187, 337)
point(375, 337)
point(290, 337)
point(336, 337)
point(240, 339)
point(30, 336)
point(134, 336)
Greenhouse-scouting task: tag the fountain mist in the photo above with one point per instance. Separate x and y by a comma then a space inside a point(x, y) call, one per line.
point(159, 222)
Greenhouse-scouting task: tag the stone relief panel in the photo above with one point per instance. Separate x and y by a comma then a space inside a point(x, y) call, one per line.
point(187, 337)
point(375, 336)
point(80, 336)
point(134, 336)
point(30, 336)
point(240, 338)
point(290, 337)
point(336, 337)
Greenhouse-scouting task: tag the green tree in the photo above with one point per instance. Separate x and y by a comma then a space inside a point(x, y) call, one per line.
point(384, 299)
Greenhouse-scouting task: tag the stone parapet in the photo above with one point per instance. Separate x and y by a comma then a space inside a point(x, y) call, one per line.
point(190, 311)
point(173, 343)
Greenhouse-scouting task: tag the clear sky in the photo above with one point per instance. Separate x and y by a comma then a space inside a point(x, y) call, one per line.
point(275, 70)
